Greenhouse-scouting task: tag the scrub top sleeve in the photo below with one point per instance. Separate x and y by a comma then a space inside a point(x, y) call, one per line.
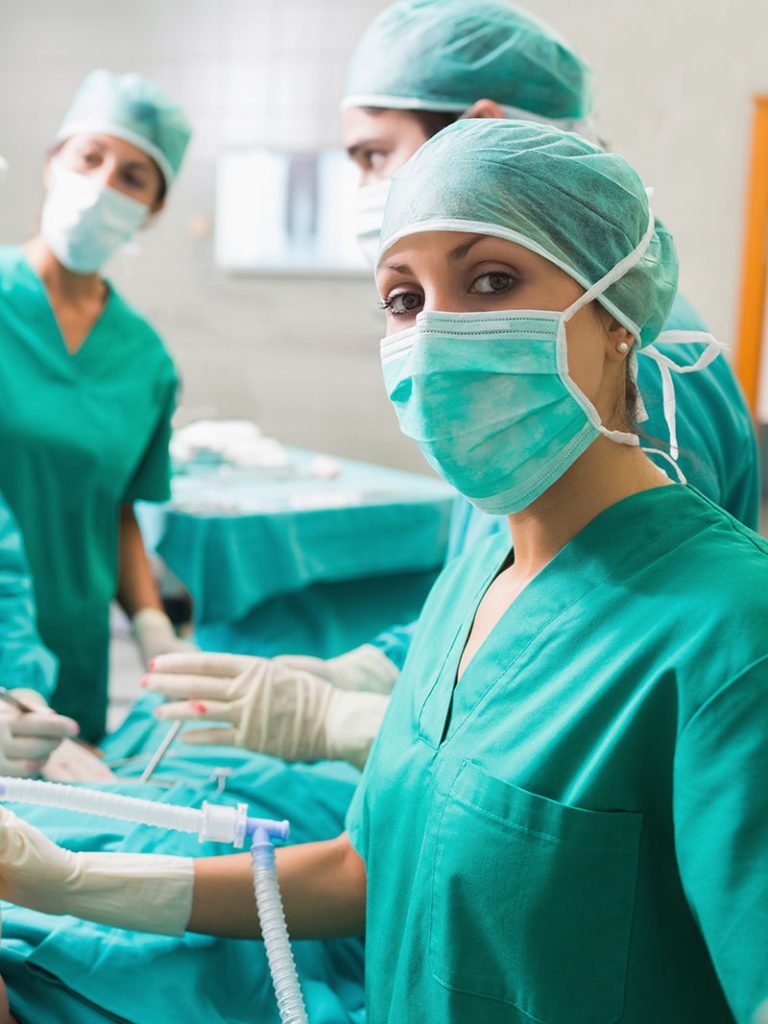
point(24, 661)
point(743, 501)
point(395, 642)
point(356, 820)
point(152, 479)
point(721, 833)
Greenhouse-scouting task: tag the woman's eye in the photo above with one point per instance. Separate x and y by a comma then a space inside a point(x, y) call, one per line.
point(375, 159)
point(496, 281)
point(402, 303)
point(137, 184)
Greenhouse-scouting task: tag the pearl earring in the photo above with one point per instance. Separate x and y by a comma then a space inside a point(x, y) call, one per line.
point(622, 347)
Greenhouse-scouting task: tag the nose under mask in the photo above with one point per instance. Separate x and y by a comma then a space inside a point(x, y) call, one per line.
point(370, 201)
point(85, 222)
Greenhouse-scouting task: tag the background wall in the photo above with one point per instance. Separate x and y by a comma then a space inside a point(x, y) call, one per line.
point(300, 355)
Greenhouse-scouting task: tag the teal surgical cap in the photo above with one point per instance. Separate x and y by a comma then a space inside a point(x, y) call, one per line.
point(444, 55)
point(550, 191)
point(135, 110)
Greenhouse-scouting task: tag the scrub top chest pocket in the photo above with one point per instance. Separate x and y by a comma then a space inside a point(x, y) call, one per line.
point(532, 902)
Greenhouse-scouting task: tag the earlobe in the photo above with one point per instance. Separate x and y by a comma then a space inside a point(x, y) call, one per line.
point(154, 213)
point(484, 108)
point(620, 341)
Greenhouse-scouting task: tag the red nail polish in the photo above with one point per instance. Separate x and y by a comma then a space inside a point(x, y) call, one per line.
point(198, 706)
point(152, 664)
point(144, 680)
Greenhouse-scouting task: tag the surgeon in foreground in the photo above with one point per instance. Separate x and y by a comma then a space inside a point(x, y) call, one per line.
point(564, 816)
point(421, 65)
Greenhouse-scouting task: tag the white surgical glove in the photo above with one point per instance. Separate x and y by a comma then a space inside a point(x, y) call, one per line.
point(27, 739)
point(271, 707)
point(73, 762)
point(155, 635)
point(141, 891)
point(366, 669)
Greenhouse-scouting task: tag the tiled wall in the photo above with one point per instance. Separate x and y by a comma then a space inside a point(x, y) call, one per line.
point(300, 355)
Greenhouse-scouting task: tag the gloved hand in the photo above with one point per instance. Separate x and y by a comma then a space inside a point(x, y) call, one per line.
point(154, 634)
point(27, 739)
point(73, 762)
point(141, 891)
point(272, 707)
point(366, 669)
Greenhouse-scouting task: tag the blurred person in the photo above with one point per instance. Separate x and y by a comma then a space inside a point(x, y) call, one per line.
point(88, 387)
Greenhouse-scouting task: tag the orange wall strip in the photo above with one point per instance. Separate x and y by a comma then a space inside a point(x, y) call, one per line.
point(754, 274)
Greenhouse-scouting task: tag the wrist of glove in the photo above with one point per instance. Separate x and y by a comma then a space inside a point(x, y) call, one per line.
point(269, 707)
point(28, 738)
point(142, 892)
point(365, 669)
point(155, 635)
point(352, 722)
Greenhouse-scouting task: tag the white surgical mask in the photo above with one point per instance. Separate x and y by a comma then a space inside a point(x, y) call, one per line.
point(370, 201)
point(85, 222)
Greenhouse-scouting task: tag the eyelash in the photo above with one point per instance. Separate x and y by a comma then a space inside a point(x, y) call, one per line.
point(386, 304)
point(512, 281)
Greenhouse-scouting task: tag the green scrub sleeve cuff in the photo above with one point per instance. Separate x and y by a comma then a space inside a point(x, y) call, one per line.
point(395, 643)
point(24, 661)
point(354, 819)
point(152, 479)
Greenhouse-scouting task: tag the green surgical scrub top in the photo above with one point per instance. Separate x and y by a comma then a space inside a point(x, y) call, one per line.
point(577, 832)
point(24, 661)
point(79, 435)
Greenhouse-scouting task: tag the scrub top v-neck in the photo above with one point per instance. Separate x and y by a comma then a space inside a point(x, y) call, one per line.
point(570, 833)
point(80, 434)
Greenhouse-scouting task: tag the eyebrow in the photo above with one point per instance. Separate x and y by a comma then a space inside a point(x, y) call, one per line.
point(461, 250)
point(355, 148)
point(455, 254)
point(137, 163)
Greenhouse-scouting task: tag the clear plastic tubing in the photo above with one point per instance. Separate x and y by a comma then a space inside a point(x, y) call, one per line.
point(274, 930)
point(212, 822)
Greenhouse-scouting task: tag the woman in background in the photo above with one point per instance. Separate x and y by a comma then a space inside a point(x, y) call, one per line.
point(88, 387)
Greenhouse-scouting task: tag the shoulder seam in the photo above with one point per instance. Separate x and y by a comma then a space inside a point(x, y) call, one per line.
point(702, 708)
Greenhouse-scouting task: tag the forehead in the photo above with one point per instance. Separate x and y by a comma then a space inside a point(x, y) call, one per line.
point(110, 145)
point(450, 247)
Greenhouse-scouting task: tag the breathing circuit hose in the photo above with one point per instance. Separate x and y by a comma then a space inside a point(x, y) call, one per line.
point(274, 930)
point(215, 822)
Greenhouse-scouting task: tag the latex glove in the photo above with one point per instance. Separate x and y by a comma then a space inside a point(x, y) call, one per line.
point(365, 668)
point(72, 762)
point(141, 891)
point(27, 739)
point(271, 707)
point(154, 634)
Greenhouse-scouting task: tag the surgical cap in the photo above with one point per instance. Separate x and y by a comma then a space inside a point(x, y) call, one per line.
point(551, 192)
point(133, 109)
point(444, 55)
